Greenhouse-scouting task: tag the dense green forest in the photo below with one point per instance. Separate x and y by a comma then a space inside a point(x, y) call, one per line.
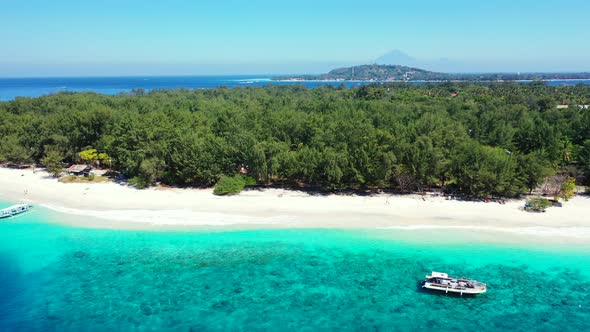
point(497, 139)
point(384, 73)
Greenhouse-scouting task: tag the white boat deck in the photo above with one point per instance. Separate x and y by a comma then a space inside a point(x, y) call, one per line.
point(442, 282)
point(14, 210)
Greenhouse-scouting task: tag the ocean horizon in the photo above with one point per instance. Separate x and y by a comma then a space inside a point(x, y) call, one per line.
point(11, 88)
point(65, 278)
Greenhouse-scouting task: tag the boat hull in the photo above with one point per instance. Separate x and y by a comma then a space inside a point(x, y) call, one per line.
point(451, 290)
point(441, 282)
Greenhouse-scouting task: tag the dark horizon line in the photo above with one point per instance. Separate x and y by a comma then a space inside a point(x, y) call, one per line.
point(269, 76)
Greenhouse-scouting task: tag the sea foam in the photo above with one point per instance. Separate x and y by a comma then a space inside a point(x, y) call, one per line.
point(175, 217)
point(574, 232)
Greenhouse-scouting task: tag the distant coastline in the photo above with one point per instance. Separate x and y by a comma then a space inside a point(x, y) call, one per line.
point(425, 81)
point(396, 73)
point(11, 88)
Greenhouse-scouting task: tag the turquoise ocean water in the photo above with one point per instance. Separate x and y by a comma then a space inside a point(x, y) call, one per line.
point(58, 278)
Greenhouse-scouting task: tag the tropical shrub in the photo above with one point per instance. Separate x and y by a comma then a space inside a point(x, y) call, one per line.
point(537, 204)
point(53, 162)
point(229, 185)
point(567, 189)
point(139, 182)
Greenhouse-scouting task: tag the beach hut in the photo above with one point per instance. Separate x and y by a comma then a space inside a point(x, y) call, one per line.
point(79, 169)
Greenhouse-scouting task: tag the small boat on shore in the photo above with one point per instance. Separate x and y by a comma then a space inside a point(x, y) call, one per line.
point(14, 210)
point(441, 282)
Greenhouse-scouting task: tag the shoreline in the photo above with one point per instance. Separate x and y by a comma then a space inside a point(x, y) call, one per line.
point(428, 81)
point(115, 206)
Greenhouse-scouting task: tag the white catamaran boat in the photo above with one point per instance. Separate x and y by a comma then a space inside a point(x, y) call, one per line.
point(14, 210)
point(442, 282)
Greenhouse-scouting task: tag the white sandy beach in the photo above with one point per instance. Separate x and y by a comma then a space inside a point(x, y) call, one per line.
point(117, 206)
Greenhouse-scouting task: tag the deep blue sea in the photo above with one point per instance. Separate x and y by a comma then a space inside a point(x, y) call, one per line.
point(11, 88)
point(58, 278)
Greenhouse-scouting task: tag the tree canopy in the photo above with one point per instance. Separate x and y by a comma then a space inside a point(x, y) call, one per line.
point(480, 139)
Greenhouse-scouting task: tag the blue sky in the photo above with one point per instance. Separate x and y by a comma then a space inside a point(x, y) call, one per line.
point(130, 37)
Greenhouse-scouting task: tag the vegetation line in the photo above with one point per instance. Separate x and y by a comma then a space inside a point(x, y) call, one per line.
point(495, 139)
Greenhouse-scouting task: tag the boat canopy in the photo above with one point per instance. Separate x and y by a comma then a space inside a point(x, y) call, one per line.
point(439, 275)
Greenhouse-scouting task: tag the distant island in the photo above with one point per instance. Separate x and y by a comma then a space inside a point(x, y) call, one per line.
point(396, 73)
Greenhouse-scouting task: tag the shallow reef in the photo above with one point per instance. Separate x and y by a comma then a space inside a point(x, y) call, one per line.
point(274, 285)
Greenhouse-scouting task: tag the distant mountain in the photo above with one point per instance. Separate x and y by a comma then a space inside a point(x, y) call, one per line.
point(475, 65)
point(400, 58)
point(397, 57)
point(397, 73)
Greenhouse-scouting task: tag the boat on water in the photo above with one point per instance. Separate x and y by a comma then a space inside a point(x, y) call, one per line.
point(441, 282)
point(14, 210)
